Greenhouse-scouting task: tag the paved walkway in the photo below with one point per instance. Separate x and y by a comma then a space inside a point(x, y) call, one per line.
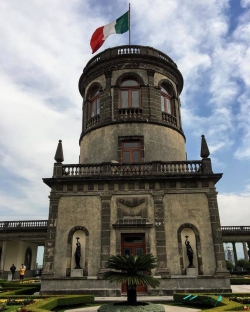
point(235, 289)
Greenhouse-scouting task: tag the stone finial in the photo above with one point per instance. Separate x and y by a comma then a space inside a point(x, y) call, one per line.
point(204, 148)
point(59, 153)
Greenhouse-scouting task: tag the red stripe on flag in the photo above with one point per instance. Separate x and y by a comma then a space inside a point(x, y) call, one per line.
point(97, 39)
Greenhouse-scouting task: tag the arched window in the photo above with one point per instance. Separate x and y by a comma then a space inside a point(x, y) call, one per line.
point(130, 93)
point(166, 100)
point(94, 100)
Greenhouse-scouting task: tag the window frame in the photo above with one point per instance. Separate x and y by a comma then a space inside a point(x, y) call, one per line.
point(130, 90)
point(93, 103)
point(167, 96)
point(122, 139)
point(131, 150)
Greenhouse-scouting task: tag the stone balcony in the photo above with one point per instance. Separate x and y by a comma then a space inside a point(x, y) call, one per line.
point(143, 169)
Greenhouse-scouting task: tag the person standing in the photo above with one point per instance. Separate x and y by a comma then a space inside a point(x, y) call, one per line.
point(22, 271)
point(13, 270)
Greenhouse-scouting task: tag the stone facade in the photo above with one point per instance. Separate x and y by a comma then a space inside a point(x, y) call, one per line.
point(162, 197)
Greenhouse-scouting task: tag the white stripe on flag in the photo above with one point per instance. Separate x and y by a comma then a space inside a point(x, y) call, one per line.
point(109, 30)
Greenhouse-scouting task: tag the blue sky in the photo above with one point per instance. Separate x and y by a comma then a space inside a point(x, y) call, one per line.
point(44, 48)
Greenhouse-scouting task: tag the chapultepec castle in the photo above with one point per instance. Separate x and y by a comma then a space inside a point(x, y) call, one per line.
point(133, 190)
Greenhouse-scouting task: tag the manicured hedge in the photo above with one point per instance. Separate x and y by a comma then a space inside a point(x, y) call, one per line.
point(19, 291)
point(50, 303)
point(240, 281)
point(208, 300)
point(19, 285)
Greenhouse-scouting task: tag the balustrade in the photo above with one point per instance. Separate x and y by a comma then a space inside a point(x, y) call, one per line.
point(156, 168)
point(93, 121)
point(181, 167)
point(82, 170)
point(131, 169)
point(133, 113)
point(169, 118)
point(23, 224)
point(235, 228)
point(125, 50)
point(129, 50)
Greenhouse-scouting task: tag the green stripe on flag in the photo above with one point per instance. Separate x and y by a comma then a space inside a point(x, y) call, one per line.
point(121, 25)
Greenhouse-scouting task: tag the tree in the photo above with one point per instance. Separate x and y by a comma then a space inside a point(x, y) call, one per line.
point(244, 264)
point(132, 270)
point(229, 265)
point(241, 263)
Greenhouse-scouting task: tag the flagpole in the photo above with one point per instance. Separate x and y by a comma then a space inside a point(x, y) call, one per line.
point(129, 22)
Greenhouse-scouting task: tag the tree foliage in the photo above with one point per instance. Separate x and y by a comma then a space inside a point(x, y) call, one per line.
point(229, 265)
point(243, 263)
point(132, 270)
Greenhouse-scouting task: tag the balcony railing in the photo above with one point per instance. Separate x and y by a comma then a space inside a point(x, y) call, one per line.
point(235, 228)
point(169, 118)
point(130, 113)
point(23, 224)
point(127, 50)
point(93, 121)
point(135, 169)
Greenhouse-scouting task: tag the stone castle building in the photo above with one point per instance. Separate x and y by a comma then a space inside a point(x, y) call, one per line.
point(133, 190)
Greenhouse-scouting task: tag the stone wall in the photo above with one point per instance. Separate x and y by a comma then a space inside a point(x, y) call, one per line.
point(101, 145)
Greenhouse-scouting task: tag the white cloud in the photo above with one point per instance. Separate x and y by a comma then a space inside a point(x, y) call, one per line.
point(245, 3)
point(234, 208)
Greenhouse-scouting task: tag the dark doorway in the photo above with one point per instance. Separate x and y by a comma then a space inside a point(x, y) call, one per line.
point(133, 244)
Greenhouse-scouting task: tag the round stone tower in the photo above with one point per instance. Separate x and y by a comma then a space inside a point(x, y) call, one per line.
point(131, 107)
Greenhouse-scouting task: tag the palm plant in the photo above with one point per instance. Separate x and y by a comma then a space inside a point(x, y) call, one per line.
point(132, 270)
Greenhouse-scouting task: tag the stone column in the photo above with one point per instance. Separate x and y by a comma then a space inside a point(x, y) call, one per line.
point(235, 253)
point(245, 250)
point(216, 234)
point(3, 258)
point(162, 268)
point(49, 249)
point(106, 99)
point(105, 232)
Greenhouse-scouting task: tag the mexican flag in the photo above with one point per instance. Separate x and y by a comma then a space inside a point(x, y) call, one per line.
point(119, 26)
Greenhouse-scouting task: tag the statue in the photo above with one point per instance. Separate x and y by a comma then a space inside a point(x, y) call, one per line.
point(78, 254)
point(190, 252)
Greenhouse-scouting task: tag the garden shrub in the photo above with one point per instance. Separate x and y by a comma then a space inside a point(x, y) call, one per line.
point(19, 291)
point(211, 301)
point(50, 303)
point(240, 281)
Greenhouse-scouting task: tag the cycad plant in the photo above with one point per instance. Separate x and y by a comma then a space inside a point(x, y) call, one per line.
point(132, 270)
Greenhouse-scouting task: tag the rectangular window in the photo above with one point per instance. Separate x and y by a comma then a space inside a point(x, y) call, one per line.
point(162, 104)
point(124, 99)
point(135, 98)
point(131, 151)
point(93, 109)
point(98, 106)
point(129, 98)
point(168, 106)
